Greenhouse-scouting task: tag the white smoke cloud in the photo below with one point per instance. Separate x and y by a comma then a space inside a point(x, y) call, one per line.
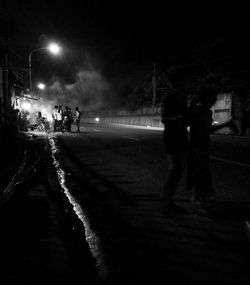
point(90, 91)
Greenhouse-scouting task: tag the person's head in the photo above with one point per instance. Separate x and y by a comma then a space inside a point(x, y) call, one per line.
point(56, 107)
point(177, 76)
point(77, 108)
point(60, 106)
point(207, 96)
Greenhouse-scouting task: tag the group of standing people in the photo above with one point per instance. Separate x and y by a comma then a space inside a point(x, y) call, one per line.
point(63, 119)
point(192, 150)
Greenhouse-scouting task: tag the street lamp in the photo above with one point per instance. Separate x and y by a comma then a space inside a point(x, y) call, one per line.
point(52, 48)
point(41, 86)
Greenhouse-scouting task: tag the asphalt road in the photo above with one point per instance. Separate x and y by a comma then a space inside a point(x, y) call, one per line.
point(138, 155)
point(114, 175)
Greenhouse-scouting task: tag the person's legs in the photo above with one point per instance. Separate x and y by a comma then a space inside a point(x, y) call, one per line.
point(67, 126)
point(193, 172)
point(204, 188)
point(54, 125)
point(199, 179)
point(60, 125)
point(78, 125)
point(176, 167)
point(64, 127)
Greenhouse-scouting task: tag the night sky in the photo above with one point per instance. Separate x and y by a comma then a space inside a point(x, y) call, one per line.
point(116, 37)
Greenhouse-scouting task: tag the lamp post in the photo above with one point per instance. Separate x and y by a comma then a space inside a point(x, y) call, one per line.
point(52, 48)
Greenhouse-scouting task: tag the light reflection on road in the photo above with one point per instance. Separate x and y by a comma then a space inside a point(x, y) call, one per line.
point(91, 237)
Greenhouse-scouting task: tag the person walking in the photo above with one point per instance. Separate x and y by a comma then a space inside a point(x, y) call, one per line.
point(176, 145)
point(78, 118)
point(199, 180)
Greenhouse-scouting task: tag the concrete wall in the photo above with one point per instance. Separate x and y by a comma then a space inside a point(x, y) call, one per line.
point(224, 108)
point(152, 121)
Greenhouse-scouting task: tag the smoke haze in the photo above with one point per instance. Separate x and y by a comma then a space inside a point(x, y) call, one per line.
point(90, 91)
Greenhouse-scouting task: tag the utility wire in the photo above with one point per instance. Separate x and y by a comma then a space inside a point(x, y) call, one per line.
point(20, 176)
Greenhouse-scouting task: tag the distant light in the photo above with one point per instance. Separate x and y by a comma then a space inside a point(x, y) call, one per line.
point(148, 126)
point(54, 48)
point(41, 86)
point(97, 119)
point(48, 118)
point(215, 122)
point(26, 106)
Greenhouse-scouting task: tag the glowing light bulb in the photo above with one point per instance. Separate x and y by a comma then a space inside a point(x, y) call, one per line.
point(41, 86)
point(54, 48)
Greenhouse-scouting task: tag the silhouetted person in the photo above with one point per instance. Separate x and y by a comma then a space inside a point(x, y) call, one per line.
point(70, 118)
point(67, 117)
point(54, 117)
point(176, 144)
point(78, 118)
point(200, 120)
point(60, 119)
point(39, 117)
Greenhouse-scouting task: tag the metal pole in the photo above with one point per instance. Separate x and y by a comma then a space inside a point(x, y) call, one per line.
point(30, 73)
point(154, 85)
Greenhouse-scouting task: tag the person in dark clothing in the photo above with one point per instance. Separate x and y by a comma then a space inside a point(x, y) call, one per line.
point(67, 119)
point(70, 119)
point(54, 117)
point(199, 181)
point(176, 145)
